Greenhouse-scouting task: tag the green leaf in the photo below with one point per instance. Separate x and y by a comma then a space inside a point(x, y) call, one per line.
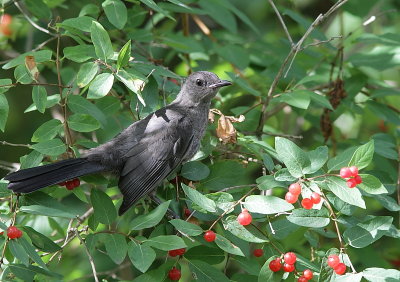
point(363, 155)
point(375, 274)
point(116, 246)
point(282, 228)
point(100, 86)
point(141, 256)
point(38, 8)
point(86, 73)
point(26, 273)
point(187, 228)
point(320, 99)
point(22, 75)
point(30, 250)
point(104, 209)
point(195, 171)
point(80, 53)
point(41, 241)
point(318, 158)
point(83, 123)
point(266, 182)
point(199, 199)
point(371, 185)
point(155, 7)
point(80, 105)
point(82, 23)
point(365, 233)
point(210, 254)
point(51, 101)
point(151, 219)
point(132, 84)
point(341, 160)
point(284, 175)
point(40, 57)
point(166, 242)
point(39, 97)
point(227, 246)
point(388, 202)
point(299, 99)
point(295, 159)
point(4, 109)
point(310, 218)
point(266, 274)
point(101, 41)
point(249, 234)
point(338, 186)
point(4, 192)
point(116, 12)
point(47, 131)
point(47, 211)
point(108, 105)
point(3, 82)
point(18, 251)
point(266, 204)
point(235, 54)
point(250, 265)
point(205, 272)
point(124, 55)
point(52, 147)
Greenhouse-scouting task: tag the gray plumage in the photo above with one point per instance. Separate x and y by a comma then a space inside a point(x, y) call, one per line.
point(143, 154)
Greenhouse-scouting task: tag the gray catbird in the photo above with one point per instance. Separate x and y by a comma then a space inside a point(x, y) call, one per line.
point(145, 153)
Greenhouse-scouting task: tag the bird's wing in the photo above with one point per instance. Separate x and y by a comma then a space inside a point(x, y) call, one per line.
point(164, 144)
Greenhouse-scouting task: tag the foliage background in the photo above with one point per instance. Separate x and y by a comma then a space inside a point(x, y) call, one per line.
point(241, 41)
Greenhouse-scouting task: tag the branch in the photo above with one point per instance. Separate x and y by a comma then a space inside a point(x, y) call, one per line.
point(14, 145)
point(292, 54)
point(282, 22)
point(89, 256)
point(32, 22)
point(34, 84)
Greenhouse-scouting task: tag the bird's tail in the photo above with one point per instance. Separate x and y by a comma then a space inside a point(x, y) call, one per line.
point(32, 179)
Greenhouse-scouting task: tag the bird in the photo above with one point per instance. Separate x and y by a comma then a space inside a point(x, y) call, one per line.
point(144, 153)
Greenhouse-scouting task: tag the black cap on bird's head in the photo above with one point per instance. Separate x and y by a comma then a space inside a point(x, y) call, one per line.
point(201, 86)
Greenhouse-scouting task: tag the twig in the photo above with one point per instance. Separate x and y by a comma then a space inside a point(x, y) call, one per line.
point(44, 43)
point(14, 145)
point(237, 186)
point(35, 84)
point(319, 42)
point(203, 27)
point(89, 256)
point(282, 22)
point(31, 21)
point(231, 207)
point(292, 54)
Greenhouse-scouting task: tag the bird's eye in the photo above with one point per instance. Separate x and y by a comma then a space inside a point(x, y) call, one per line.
point(199, 82)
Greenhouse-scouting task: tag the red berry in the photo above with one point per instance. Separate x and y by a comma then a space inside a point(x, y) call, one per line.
point(70, 185)
point(62, 183)
point(351, 183)
point(340, 268)
point(315, 198)
point(177, 252)
point(307, 203)
point(258, 252)
point(308, 274)
point(333, 261)
point(244, 218)
point(5, 21)
point(174, 274)
point(13, 232)
point(210, 236)
point(1, 233)
point(275, 265)
point(290, 258)
point(76, 182)
point(288, 267)
point(345, 172)
point(187, 212)
point(358, 179)
point(295, 188)
point(302, 279)
point(291, 198)
point(353, 170)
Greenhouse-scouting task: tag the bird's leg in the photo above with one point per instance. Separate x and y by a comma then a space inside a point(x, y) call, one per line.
point(155, 199)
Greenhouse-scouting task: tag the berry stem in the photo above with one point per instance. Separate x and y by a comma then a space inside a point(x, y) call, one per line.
point(231, 207)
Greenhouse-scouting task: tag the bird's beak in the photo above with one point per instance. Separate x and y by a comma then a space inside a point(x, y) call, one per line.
point(221, 83)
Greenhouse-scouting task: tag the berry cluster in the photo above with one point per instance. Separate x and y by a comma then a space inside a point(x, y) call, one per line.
point(174, 274)
point(293, 195)
point(289, 259)
point(338, 267)
point(13, 232)
point(71, 184)
point(177, 252)
point(351, 173)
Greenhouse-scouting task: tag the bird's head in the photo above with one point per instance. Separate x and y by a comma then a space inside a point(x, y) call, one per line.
point(200, 86)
